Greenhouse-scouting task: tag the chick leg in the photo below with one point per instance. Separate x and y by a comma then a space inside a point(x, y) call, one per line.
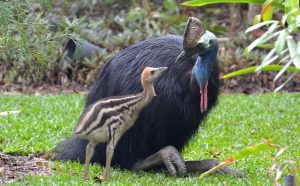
point(89, 154)
point(109, 154)
point(110, 151)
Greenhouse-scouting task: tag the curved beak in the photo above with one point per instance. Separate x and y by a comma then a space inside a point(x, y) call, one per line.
point(160, 70)
point(186, 54)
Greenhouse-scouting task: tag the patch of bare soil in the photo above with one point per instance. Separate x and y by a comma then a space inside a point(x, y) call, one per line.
point(15, 167)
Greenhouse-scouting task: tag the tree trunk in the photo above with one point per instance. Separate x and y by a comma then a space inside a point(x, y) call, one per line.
point(235, 17)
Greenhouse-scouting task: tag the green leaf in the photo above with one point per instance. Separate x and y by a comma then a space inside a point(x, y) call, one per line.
point(268, 59)
point(291, 4)
point(286, 57)
point(282, 70)
point(253, 69)
point(280, 42)
point(267, 10)
point(293, 25)
point(254, 27)
point(266, 62)
point(266, 46)
point(206, 2)
point(298, 20)
point(285, 16)
point(241, 154)
point(264, 38)
point(293, 51)
point(251, 150)
point(268, 14)
point(39, 58)
point(269, 55)
point(256, 19)
point(284, 83)
point(170, 6)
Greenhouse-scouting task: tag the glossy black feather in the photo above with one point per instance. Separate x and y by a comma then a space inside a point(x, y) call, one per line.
point(170, 119)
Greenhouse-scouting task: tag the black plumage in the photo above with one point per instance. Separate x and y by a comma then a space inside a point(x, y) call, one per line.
point(170, 119)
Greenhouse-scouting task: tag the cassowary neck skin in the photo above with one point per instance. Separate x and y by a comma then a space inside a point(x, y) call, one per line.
point(203, 68)
point(201, 73)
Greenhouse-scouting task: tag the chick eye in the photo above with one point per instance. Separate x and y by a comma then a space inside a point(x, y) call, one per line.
point(152, 72)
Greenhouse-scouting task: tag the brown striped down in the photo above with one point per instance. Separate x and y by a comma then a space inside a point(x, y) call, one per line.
point(103, 113)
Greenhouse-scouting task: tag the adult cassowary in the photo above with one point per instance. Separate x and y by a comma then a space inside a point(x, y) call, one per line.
point(187, 91)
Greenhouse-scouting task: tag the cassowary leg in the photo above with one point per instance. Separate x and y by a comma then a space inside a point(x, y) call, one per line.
point(169, 156)
point(89, 154)
point(205, 165)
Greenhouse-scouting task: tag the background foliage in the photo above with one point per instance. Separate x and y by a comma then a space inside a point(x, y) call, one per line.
point(34, 32)
point(281, 37)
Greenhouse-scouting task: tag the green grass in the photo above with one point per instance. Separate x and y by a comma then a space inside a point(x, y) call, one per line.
point(237, 122)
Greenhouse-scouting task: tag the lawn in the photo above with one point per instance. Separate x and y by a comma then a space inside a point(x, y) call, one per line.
point(237, 122)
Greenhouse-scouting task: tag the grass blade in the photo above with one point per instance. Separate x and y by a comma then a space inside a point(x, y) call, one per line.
point(253, 69)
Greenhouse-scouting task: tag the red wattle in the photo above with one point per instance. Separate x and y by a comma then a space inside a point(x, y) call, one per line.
point(204, 100)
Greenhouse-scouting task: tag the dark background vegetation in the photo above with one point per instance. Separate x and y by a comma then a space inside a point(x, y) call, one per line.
point(33, 36)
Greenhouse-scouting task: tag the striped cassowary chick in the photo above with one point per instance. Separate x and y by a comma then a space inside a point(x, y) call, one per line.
point(108, 119)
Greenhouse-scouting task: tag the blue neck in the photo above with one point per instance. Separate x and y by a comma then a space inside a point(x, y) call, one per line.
point(197, 70)
point(203, 66)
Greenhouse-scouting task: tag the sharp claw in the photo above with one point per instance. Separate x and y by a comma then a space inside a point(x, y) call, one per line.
point(170, 167)
point(178, 161)
point(174, 162)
